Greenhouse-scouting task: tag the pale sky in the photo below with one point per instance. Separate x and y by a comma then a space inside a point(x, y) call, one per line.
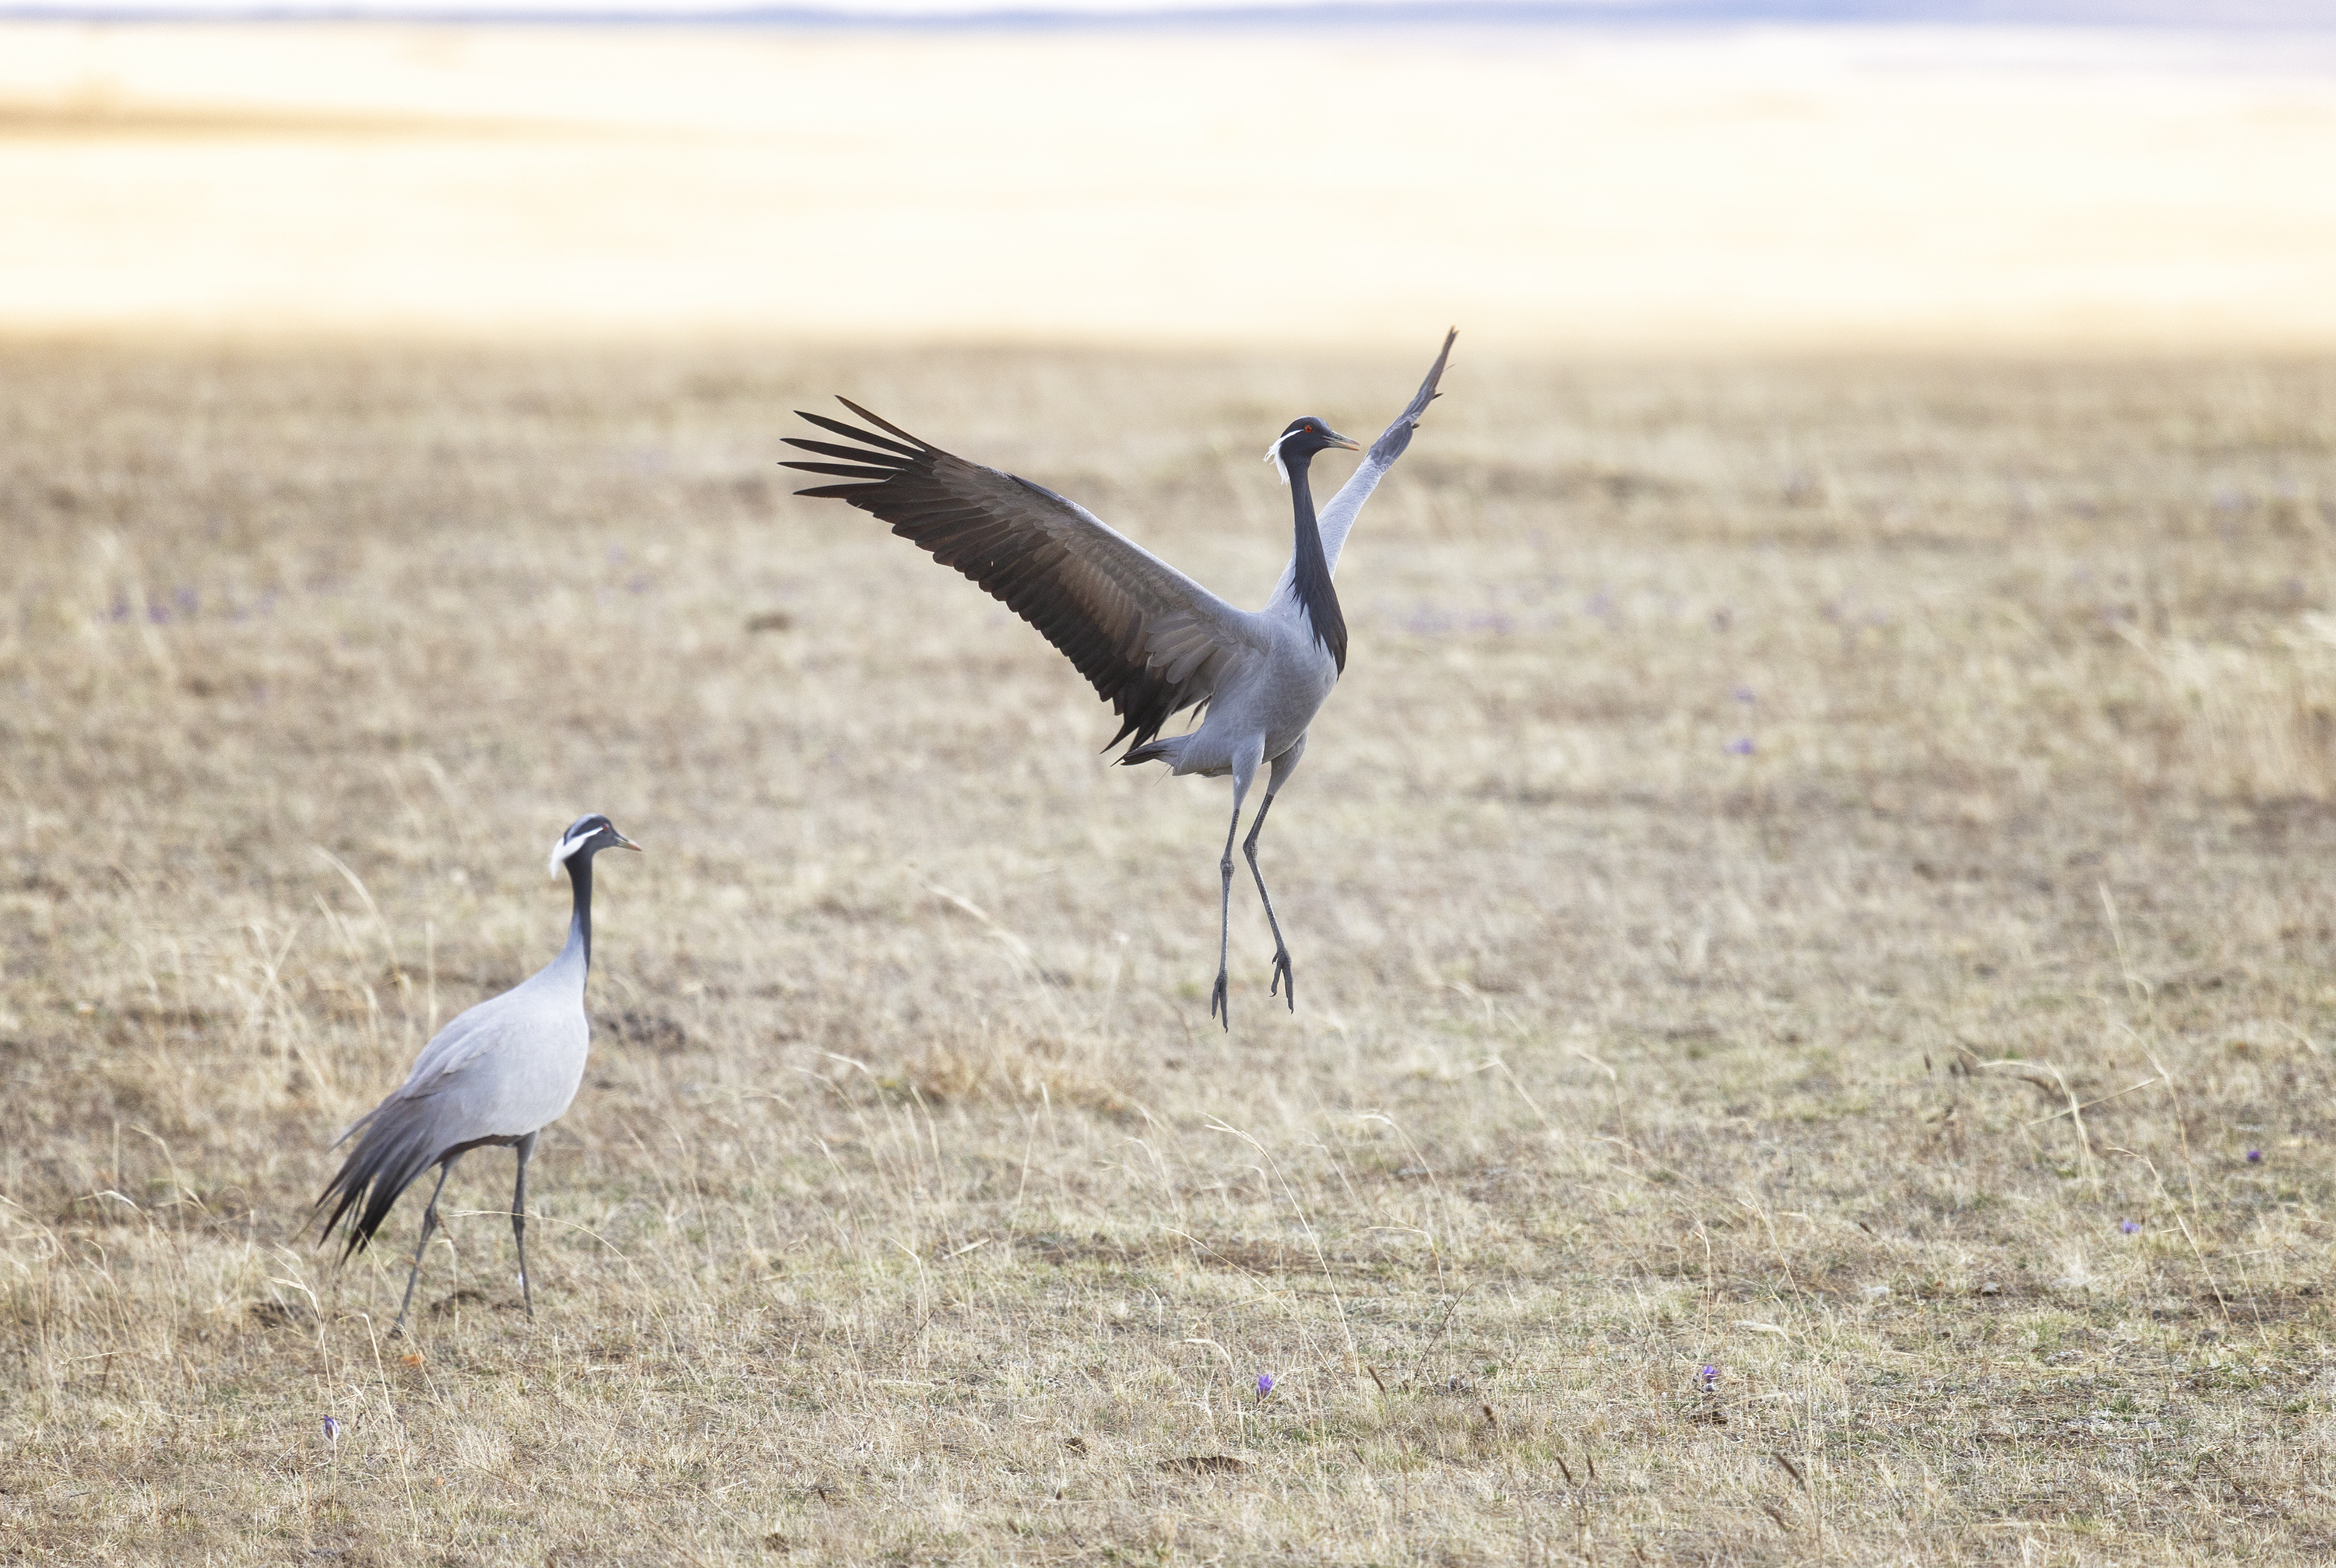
point(2312, 14)
point(458, 9)
point(876, 8)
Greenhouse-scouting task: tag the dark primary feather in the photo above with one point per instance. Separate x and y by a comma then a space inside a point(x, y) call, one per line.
point(1397, 435)
point(393, 1147)
point(1149, 640)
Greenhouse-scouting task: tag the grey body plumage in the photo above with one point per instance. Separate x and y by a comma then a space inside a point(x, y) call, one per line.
point(1151, 640)
point(496, 1075)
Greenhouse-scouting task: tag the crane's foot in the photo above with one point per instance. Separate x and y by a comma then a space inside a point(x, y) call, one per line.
point(1285, 980)
point(1220, 1005)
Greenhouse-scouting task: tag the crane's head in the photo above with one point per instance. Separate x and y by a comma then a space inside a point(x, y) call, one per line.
point(1302, 440)
point(588, 835)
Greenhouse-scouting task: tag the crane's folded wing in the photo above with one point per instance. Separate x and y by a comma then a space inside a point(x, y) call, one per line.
point(508, 1066)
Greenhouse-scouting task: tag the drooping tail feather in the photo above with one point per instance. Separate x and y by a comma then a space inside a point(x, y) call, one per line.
point(393, 1147)
point(1167, 749)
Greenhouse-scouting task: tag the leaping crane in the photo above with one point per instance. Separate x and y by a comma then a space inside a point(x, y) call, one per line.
point(1151, 640)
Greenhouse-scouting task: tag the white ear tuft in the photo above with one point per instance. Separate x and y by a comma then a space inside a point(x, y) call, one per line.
point(1273, 455)
point(565, 845)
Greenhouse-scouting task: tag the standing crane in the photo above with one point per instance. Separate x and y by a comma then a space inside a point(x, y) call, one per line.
point(1151, 640)
point(498, 1074)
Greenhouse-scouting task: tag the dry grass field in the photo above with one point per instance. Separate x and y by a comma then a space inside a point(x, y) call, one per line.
point(1817, 871)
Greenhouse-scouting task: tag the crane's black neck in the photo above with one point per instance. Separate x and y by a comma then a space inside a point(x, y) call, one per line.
point(580, 924)
point(1312, 568)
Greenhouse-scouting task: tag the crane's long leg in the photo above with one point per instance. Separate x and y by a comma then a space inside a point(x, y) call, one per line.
point(519, 1220)
point(1220, 999)
point(1285, 982)
point(429, 1224)
point(1281, 974)
point(1219, 1002)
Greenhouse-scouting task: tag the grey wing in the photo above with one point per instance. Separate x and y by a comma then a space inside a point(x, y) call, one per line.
point(407, 1133)
point(514, 1069)
point(468, 1033)
point(1336, 518)
point(497, 1070)
point(1149, 640)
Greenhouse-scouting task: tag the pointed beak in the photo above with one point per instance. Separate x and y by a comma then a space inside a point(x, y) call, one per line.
point(623, 843)
point(1349, 442)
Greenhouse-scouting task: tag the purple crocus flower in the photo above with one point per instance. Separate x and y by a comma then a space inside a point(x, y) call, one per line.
point(1740, 746)
point(332, 1431)
point(1708, 1378)
point(2129, 1226)
point(2254, 1156)
point(1264, 1384)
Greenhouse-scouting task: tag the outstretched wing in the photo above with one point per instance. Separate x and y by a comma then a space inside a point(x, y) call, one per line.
point(1151, 640)
point(1336, 519)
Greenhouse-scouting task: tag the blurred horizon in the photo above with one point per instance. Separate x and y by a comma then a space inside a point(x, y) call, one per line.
point(1834, 187)
point(2204, 15)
